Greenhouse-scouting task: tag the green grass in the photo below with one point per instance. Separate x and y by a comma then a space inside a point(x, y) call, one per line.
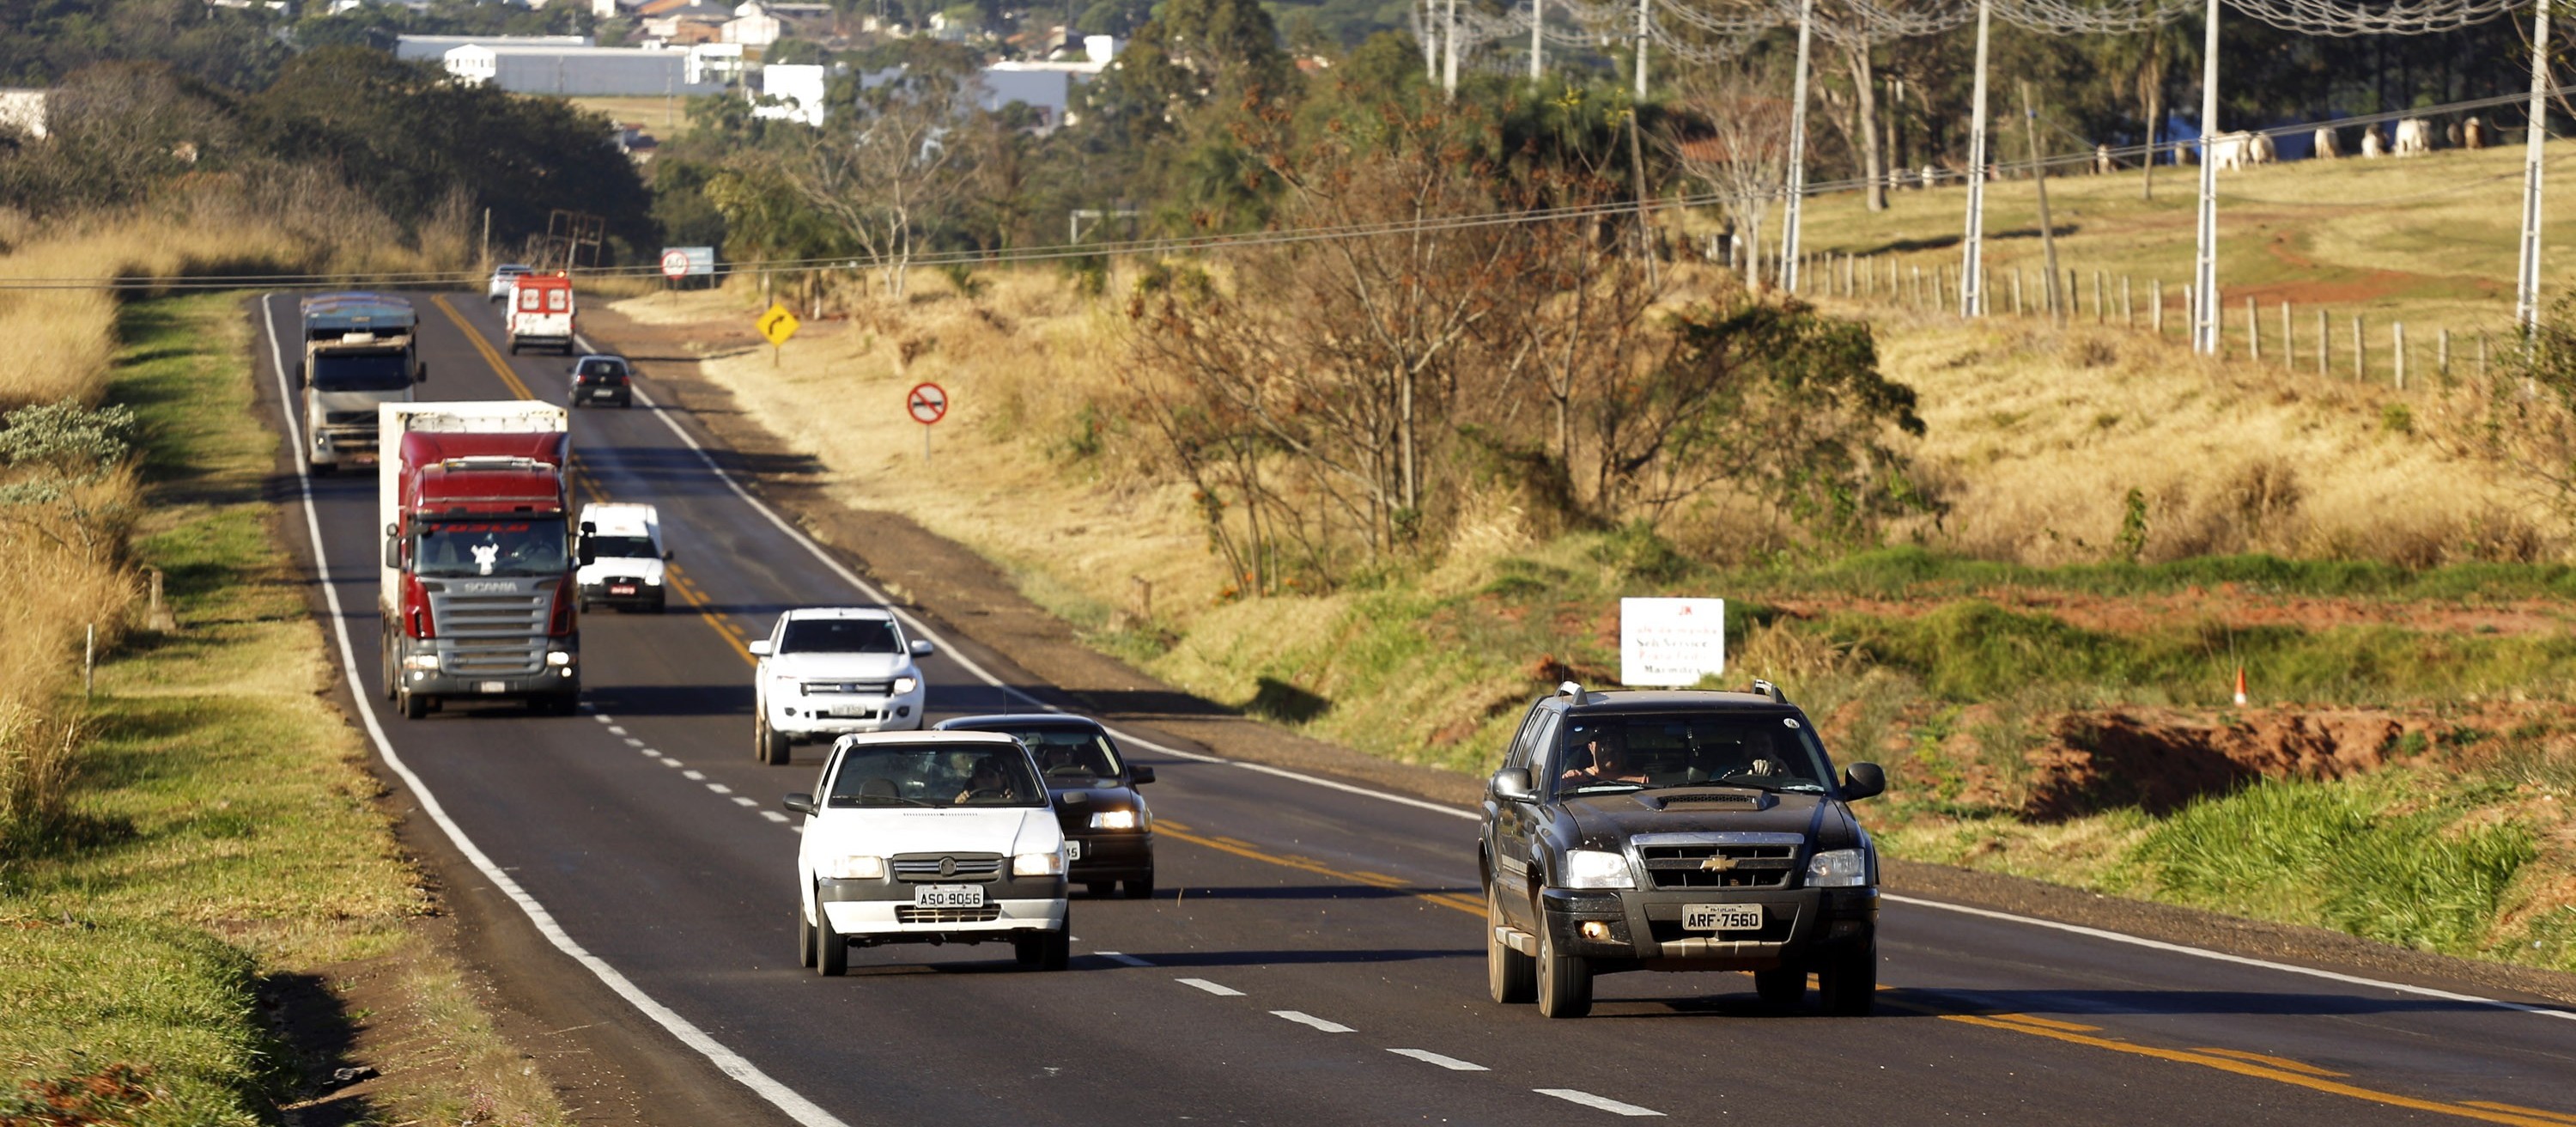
point(223, 830)
point(1914, 572)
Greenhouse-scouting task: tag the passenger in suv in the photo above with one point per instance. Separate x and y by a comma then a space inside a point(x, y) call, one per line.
point(1676, 831)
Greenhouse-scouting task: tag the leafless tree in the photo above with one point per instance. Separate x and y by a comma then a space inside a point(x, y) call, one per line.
point(1737, 144)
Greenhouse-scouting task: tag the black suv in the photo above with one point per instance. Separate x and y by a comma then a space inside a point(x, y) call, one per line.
point(1108, 831)
point(1677, 831)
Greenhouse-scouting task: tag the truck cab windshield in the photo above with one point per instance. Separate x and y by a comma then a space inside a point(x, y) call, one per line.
point(513, 546)
point(362, 371)
point(1604, 754)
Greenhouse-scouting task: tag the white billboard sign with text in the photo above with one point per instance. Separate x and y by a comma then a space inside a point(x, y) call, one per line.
point(1671, 642)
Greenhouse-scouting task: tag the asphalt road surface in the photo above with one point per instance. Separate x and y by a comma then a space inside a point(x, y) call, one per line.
point(1313, 954)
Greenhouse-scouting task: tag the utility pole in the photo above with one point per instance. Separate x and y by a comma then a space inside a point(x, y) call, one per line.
point(2057, 298)
point(2526, 287)
point(1643, 14)
point(1972, 267)
point(1797, 152)
point(1449, 53)
point(2204, 274)
point(487, 238)
point(1538, 21)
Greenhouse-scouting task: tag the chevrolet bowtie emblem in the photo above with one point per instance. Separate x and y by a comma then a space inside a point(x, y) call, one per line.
point(1717, 864)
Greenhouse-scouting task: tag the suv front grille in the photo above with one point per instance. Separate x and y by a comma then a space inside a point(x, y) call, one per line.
point(847, 688)
point(907, 914)
point(972, 868)
point(1720, 866)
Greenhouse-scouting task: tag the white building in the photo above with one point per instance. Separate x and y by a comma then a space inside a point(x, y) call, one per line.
point(427, 47)
point(587, 71)
point(718, 63)
point(752, 26)
point(798, 85)
point(23, 111)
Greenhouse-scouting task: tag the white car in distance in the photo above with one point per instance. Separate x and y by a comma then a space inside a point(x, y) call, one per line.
point(929, 837)
point(833, 671)
point(502, 276)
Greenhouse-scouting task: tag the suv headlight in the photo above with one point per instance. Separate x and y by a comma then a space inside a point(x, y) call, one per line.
point(904, 685)
point(1838, 868)
point(1038, 864)
point(855, 868)
point(1113, 820)
point(1597, 868)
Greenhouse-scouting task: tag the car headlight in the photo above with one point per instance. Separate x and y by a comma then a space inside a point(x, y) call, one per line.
point(652, 581)
point(1838, 868)
point(855, 868)
point(1597, 868)
point(560, 658)
point(1038, 864)
point(1113, 820)
point(904, 685)
point(421, 661)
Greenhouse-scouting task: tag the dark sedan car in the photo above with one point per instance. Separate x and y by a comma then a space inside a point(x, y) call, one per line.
point(597, 377)
point(1108, 832)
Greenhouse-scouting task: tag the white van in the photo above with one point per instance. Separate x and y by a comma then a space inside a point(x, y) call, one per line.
point(623, 543)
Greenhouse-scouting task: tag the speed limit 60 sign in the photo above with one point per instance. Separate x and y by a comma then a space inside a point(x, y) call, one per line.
point(927, 402)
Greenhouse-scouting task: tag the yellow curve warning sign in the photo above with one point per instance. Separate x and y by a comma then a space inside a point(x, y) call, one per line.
point(777, 324)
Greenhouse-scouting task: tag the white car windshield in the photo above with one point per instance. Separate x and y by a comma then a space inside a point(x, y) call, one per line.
point(839, 636)
point(935, 775)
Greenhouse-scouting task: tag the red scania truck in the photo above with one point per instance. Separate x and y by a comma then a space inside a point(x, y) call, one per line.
point(479, 598)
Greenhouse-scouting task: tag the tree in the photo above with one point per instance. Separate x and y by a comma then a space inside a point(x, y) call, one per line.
point(881, 174)
point(1735, 140)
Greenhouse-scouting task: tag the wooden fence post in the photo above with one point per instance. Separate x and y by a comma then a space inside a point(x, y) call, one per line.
point(2253, 333)
point(2360, 352)
point(2160, 307)
point(2128, 312)
point(2397, 351)
point(2325, 344)
point(2442, 356)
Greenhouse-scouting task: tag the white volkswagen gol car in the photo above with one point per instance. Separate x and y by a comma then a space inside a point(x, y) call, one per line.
point(833, 671)
point(929, 837)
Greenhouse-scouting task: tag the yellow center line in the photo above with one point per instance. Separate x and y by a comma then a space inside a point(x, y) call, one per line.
point(2552, 1116)
point(2266, 1058)
point(2068, 1026)
point(1303, 864)
point(590, 483)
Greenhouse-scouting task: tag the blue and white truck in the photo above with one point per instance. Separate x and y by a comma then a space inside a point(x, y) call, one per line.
point(360, 350)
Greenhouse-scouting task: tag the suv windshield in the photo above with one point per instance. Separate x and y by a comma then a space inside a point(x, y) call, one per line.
point(518, 546)
point(936, 775)
point(602, 371)
point(1612, 753)
point(361, 371)
point(1069, 756)
point(839, 636)
point(622, 547)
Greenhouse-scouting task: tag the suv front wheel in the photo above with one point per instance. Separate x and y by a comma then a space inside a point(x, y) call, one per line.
point(1511, 977)
point(1564, 981)
point(1848, 981)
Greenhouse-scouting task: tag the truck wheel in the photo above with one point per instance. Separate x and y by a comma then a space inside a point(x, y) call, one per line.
point(805, 938)
point(1141, 888)
point(1510, 977)
point(832, 949)
point(1783, 987)
point(514, 346)
point(1848, 982)
point(321, 469)
point(414, 705)
point(1564, 981)
point(767, 746)
point(391, 679)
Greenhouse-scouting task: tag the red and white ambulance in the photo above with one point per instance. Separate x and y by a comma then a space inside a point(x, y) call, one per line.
point(541, 311)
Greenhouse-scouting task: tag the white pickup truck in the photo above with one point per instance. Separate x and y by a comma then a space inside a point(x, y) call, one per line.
point(833, 671)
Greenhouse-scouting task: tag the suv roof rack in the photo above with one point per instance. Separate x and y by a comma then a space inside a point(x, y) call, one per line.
point(1570, 689)
point(1767, 689)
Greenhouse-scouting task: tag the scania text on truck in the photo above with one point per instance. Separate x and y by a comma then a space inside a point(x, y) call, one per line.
point(541, 312)
point(360, 350)
point(479, 596)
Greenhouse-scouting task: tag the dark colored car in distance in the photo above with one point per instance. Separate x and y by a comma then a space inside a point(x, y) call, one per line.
point(1677, 831)
point(597, 377)
point(1108, 830)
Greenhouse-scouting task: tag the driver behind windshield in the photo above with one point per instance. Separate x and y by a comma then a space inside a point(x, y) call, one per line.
point(1600, 762)
point(1765, 751)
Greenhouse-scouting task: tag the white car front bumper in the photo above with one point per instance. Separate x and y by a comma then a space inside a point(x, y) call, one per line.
point(862, 918)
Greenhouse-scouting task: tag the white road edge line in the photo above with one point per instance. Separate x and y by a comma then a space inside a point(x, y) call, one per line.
point(1310, 1019)
point(1210, 987)
point(1122, 957)
point(1587, 1099)
point(923, 630)
point(1453, 1064)
point(784, 1098)
point(2240, 960)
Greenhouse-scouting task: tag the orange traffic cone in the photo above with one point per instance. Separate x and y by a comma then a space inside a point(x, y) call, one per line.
point(2240, 686)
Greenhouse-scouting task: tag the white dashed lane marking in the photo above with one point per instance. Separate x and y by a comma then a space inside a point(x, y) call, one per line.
point(614, 730)
point(1453, 1064)
point(667, 761)
point(1603, 1103)
point(1210, 987)
point(633, 742)
point(1129, 960)
point(1310, 1019)
point(693, 776)
point(739, 800)
point(601, 718)
point(719, 788)
point(772, 815)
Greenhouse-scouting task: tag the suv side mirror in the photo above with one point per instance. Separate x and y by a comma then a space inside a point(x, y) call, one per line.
point(1863, 780)
point(798, 803)
point(759, 648)
point(669, 555)
point(921, 647)
point(1512, 784)
point(1139, 776)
